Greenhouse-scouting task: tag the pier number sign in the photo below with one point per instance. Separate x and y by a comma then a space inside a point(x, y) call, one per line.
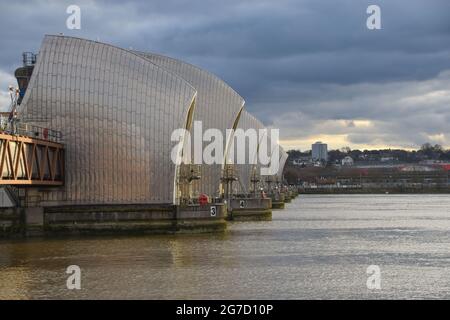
point(213, 211)
point(241, 204)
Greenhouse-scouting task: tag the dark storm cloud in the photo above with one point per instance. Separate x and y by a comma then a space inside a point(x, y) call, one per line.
point(310, 60)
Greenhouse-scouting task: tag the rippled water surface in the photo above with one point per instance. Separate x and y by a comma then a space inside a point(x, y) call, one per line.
point(319, 247)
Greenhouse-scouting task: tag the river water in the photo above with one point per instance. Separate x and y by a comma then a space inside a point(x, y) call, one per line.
point(319, 247)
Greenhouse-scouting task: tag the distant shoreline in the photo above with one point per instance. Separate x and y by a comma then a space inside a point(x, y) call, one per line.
point(373, 191)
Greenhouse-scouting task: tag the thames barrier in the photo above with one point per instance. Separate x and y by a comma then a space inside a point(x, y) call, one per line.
point(87, 146)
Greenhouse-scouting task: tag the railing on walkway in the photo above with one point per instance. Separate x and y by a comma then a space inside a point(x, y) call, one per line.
point(31, 155)
point(29, 130)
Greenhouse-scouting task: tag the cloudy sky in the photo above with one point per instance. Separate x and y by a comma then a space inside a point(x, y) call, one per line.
point(308, 67)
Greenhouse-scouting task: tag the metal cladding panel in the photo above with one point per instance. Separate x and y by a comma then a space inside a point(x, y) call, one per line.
point(244, 171)
point(283, 158)
point(116, 112)
point(264, 139)
point(217, 106)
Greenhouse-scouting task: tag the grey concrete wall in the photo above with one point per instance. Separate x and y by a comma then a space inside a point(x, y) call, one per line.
point(94, 214)
point(252, 203)
point(251, 209)
point(210, 211)
point(130, 219)
point(10, 222)
point(111, 219)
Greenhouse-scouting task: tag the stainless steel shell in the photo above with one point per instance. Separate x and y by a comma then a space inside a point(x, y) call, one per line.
point(217, 107)
point(116, 111)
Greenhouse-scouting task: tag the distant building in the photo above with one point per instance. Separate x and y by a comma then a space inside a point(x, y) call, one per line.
point(347, 161)
point(320, 151)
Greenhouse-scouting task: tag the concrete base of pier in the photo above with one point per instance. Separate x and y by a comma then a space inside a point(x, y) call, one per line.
point(278, 201)
point(250, 209)
point(112, 219)
point(277, 204)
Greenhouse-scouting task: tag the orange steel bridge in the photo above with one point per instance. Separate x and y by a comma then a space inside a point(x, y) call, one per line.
point(31, 157)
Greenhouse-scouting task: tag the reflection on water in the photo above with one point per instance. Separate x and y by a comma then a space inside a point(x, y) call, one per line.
point(318, 247)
